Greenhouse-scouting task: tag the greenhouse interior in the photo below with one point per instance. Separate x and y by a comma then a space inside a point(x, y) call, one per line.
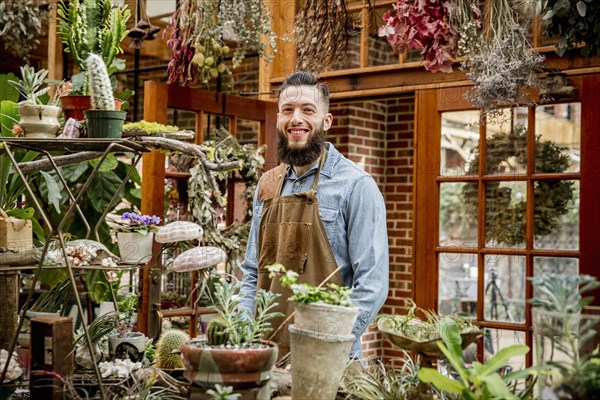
point(197, 191)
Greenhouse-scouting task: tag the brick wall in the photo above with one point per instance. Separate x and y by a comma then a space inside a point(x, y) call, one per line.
point(379, 136)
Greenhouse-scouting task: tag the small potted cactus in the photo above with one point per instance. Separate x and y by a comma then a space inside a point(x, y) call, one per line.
point(168, 349)
point(102, 121)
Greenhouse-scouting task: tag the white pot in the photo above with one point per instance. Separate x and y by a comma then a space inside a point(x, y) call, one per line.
point(325, 318)
point(134, 247)
point(131, 346)
point(39, 121)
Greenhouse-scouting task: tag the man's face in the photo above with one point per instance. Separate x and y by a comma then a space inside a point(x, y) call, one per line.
point(301, 114)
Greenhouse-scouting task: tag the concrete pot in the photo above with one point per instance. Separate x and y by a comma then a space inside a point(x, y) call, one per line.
point(131, 346)
point(318, 363)
point(325, 318)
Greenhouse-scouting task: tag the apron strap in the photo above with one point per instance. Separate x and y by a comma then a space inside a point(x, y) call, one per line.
point(313, 191)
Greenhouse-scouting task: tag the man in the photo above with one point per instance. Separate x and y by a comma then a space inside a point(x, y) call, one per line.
point(316, 212)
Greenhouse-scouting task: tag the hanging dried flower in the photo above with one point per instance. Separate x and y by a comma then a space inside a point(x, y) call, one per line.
point(322, 29)
point(422, 25)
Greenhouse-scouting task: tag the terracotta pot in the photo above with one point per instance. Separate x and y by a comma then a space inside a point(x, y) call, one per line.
point(74, 106)
point(240, 368)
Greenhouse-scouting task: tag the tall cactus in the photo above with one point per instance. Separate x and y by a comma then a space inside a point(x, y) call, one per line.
point(99, 84)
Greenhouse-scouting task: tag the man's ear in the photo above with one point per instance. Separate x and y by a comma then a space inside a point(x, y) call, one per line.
point(327, 122)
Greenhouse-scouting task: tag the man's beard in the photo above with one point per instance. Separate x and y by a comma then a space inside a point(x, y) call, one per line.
point(302, 156)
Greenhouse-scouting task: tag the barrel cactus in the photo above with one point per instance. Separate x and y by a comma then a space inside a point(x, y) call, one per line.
point(169, 342)
point(99, 84)
point(216, 332)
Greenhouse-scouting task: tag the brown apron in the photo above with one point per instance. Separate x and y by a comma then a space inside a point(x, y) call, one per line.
point(291, 233)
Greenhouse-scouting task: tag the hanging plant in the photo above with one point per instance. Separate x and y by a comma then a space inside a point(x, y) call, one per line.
point(198, 31)
point(321, 32)
point(204, 205)
point(499, 58)
point(21, 23)
point(505, 219)
point(576, 22)
point(425, 26)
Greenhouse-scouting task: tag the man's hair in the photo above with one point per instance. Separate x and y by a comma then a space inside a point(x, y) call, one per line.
point(303, 78)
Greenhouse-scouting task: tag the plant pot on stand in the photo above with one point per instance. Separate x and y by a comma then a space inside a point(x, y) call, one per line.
point(39, 121)
point(135, 247)
point(129, 346)
point(105, 123)
point(74, 106)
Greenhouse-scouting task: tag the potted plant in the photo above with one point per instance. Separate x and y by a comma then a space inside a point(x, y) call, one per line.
point(321, 337)
point(234, 353)
point(566, 335)
point(103, 121)
point(135, 236)
point(37, 120)
point(90, 27)
point(124, 343)
point(168, 349)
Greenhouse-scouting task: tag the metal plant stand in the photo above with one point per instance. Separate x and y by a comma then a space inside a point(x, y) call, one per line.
point(71, 151)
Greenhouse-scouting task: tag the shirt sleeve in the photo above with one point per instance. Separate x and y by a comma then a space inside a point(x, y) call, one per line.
point(250, 265)
point(369, 252)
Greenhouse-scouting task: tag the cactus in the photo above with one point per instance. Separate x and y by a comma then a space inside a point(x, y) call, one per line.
point(216, 332)
point(99, 84)
point(170, 341)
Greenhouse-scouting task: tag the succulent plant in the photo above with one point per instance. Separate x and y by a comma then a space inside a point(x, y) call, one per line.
point(216, 333)
point(169, 342)
point(99, 84)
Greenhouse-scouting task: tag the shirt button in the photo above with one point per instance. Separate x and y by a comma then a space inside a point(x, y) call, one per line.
point(298, 183)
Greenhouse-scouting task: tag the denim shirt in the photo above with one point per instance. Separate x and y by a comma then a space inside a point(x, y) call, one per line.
point(353, 213)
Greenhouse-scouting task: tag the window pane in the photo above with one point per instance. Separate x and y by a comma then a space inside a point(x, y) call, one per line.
point(458, 218)
point(498, 339)
point(506, 143)
point(556, 215)
point(559, 129)
point(504, 288)
point(460, 138)
point(555, 265)
point(505, 213)
point(457, 284)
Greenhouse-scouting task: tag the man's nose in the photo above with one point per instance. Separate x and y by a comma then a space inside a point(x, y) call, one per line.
point(297, 116)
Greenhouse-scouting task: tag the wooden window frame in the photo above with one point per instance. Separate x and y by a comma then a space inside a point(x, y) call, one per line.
point(429, 105)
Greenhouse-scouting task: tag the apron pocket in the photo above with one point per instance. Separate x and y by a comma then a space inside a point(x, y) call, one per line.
point(285, 243)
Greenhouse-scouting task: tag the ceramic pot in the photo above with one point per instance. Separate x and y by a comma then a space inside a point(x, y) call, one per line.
point(39, 121)
point(74, 106)
point(131, 346)
point(240, 368)
point(134, 247)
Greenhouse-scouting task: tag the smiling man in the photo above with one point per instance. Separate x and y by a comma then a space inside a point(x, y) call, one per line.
point(317, 213)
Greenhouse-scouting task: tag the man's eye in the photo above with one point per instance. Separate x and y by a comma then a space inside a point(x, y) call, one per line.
point(309, 110)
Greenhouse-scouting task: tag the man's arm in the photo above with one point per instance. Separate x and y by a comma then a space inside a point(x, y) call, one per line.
point(250, 265)
point(368, 250)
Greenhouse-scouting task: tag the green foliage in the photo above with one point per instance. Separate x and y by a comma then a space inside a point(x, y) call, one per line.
point(567, 330)
point(21, 25)
point(375, 381)
point(30, 83)
point(223, 393)
point(482, 381)
point(305, 294)
point(216, 333)
point(167, 348)
point(7, 91)
point(505, 217)
point(239, 327)
point(9, 116)
point(92, 27)
point(148, 127)
point(203, 202)
point(576, 22)
point(52, 300)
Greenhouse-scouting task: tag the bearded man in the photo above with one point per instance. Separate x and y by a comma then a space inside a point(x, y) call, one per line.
point(317, 213)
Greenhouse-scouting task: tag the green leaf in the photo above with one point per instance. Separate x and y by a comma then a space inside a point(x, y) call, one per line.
point(501, 358)
point(497, 387)
point(9, 115)
point(441, 382)
point(562, 8)
point(22, 213)
point(73, 173)
point(102, 189)
point(581, 8)
point(109, 164)
point(7, 92)
point(53, 190)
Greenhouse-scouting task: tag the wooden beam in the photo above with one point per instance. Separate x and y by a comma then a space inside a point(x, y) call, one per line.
point(283, 13)
point(55, 59)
